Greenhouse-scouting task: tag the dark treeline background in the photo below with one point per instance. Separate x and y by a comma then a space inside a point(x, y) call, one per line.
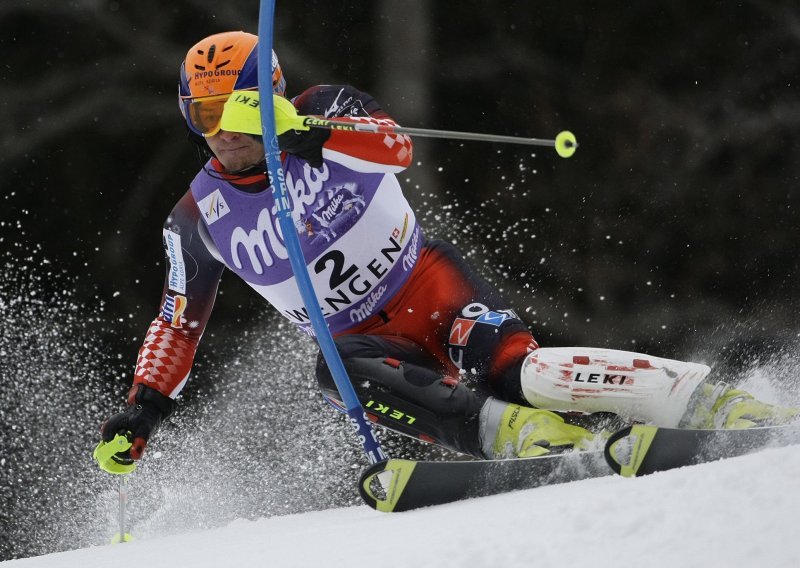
point(677, 215)
point(673, 230)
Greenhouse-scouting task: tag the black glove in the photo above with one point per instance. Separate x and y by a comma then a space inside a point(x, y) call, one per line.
point(148, 408)
point(305, 143)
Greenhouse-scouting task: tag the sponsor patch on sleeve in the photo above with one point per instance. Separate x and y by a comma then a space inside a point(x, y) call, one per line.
point(493, 318)
point(459, 332)
point(177, 268)
point(172, 310)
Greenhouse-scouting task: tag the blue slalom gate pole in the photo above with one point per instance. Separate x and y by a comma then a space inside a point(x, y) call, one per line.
point(354, 410)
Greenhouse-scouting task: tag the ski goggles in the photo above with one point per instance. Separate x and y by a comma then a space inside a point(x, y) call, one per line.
point(235, 112)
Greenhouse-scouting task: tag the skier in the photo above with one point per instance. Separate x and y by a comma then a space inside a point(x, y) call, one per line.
point(432, 349)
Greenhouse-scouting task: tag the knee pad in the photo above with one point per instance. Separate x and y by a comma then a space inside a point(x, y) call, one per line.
point(632, 385)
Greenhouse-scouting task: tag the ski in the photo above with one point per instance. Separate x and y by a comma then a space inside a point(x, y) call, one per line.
point(641, 450)
point(398, 485)
point(401, 485)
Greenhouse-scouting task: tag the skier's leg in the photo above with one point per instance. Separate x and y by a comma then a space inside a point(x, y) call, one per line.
point(489, 343)
point(400, 388)
point(435, 365)
point(641, 388)
point(632, 385)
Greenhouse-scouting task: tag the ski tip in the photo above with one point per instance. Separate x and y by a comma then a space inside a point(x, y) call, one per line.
point(381, 485)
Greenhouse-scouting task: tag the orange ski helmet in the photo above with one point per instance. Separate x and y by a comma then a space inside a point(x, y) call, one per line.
point(214, 68)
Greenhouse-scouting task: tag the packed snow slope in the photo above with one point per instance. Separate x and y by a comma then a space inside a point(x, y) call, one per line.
point(737, 512)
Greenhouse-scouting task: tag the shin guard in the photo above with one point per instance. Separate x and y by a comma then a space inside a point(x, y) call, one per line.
point(632, 385)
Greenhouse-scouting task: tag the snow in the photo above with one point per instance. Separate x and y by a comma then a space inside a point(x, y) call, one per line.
point(737, 512)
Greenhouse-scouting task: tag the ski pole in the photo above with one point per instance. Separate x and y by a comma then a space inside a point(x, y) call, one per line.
point(366, 435)
point(564, 143)
point(286, 118)
point(122, 535)
point(108, 457)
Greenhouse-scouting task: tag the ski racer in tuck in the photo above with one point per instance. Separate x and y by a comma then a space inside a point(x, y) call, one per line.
point(432, 349)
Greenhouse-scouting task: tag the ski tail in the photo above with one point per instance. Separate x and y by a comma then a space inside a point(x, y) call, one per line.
point(641, 450)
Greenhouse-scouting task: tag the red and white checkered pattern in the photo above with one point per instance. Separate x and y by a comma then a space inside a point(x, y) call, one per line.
point(404, 148)
point(396, 148)
point(165, 358)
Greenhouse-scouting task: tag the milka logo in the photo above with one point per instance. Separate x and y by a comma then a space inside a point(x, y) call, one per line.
point(330, 211)
point(266, 237)
point(410, 258)
point(365, 310)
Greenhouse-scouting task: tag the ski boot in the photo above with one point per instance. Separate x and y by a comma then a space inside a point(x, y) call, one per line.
point(721, 406)
point(513, 431)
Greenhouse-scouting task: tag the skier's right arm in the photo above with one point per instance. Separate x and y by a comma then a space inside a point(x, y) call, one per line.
point(166, 356)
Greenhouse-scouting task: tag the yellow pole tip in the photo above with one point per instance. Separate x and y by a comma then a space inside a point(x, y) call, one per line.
point(566, 144)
